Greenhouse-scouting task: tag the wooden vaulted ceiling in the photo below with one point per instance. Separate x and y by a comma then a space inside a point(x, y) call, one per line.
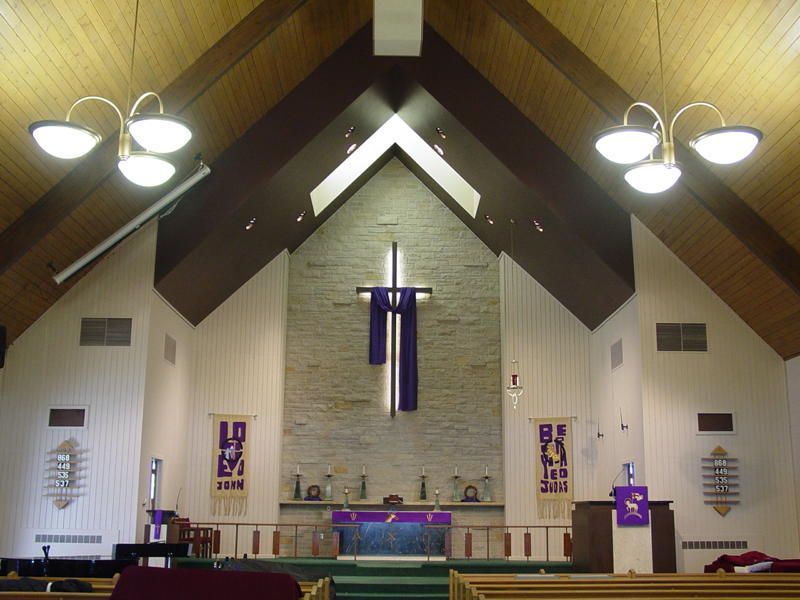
point(739, 231)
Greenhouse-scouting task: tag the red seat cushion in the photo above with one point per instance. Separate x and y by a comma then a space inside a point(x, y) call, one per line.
point(140, 583)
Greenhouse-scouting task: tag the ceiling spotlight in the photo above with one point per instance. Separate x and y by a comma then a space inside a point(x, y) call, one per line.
point(441, 133)
point(488, 219)
point(538, 226)
point(352, 148)
point(349, 131)
point(250, 224)
point(438, 149)
point(301, 216)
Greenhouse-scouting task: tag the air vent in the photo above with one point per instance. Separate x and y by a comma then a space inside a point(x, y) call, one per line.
point(681, 337)
point(616, 354)
point(714, 545)
point(170, 348)
point(61, 538)
point(106, 332)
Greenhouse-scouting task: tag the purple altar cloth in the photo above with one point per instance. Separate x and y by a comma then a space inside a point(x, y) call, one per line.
point(380, 516)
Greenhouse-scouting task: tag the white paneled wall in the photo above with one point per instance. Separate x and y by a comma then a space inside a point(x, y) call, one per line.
point(617, 392)
point(46, 367)
point(238, 367)
point(165, 418)
point(740, 373)
point(552, 347)
point(793, 388)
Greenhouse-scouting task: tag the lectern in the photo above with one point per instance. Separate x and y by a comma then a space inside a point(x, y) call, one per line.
point(594, 531)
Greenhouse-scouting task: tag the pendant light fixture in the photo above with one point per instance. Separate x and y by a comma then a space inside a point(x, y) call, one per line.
point(157, 134)
point(635, 145)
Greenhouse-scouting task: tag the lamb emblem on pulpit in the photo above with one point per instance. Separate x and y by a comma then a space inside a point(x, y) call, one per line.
point(632, 506)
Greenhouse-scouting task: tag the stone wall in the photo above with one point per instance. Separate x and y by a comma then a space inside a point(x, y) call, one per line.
point(336, 404)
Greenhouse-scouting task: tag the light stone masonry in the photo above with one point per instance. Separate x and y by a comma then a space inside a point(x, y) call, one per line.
point(336, 403)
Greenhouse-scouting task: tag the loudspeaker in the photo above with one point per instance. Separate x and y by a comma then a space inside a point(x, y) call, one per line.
point(2, 345)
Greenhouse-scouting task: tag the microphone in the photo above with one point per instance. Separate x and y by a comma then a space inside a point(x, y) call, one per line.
point(177, 499)
point(613, 492)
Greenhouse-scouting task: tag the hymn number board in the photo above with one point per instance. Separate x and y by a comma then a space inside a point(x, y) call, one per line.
point(62, 473)
point(720, 480)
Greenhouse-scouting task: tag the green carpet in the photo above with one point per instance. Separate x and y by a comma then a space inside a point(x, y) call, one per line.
point(401, 580)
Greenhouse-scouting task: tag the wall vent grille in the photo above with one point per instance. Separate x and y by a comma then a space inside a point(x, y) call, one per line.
point(681, 337)
point(170, 348)
point(105, 332)
point(616, 354)
point(67, 538)
point(714, 545)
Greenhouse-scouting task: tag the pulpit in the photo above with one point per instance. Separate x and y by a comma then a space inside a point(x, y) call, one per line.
point(601, 546)
point(390, 533)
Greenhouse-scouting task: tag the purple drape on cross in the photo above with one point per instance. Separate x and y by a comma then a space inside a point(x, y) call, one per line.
point(407, 309)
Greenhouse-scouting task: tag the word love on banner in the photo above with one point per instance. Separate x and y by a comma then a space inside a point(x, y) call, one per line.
point(720, 480)
point(230, 475)
point(553, 467)
point(62, 473)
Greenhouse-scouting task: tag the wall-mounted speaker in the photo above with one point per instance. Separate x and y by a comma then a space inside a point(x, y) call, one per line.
point(2, 346)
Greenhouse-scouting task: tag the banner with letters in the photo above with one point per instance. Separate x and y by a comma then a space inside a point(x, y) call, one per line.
point(553, 467)
point(230, 474)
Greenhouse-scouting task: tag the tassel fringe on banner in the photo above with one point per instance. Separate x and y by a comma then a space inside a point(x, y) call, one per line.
point(229, 507)
point(554, 509)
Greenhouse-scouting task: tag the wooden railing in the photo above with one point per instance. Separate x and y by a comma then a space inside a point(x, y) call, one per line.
point(533, 542)
point(631, 586)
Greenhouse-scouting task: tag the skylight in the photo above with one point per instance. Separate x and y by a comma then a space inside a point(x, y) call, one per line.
point(395, 131)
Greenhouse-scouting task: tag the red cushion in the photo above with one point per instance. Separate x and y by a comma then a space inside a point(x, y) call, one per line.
point(139, 583)
point(786, 566)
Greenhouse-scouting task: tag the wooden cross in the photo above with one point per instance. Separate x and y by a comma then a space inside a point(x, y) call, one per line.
point(394, 292)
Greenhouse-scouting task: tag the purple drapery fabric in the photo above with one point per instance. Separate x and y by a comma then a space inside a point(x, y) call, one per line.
point(407, 309)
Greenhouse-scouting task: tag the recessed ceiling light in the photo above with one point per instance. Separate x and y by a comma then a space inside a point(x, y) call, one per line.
point(438, 148)
point(250, 224)
point(538, 226)
point(352, 148)
point(349, 131)
point(441, 133)
point(301, 216)
point(488, 219)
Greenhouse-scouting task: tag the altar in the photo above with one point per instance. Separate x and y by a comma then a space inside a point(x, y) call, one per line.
point(390, 533)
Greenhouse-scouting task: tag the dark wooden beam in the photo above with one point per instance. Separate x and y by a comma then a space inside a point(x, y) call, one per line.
point(722, 202)
point(64, 197)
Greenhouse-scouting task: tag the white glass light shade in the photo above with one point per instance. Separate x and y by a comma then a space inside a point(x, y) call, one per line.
point(726, 145)
point(145, 169)
point(63, 139)
point(652, 176)
point(626, 144)
point(159, 133)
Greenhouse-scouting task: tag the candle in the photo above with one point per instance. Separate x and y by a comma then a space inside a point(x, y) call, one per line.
point(329, 468)
point(298, 468)
point(436, 491)
point(487, 470)
point(363, 469)
point(514, 379)
point(346, 491)
point(456, 471)
point(423, 470)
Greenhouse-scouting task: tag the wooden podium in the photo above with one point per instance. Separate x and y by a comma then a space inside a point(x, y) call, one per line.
point(593, 536)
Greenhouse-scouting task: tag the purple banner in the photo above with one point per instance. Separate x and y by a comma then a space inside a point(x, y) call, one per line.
point(372, 516)
point(632, 505)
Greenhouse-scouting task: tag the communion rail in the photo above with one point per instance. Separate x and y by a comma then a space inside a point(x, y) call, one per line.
point(299, 540)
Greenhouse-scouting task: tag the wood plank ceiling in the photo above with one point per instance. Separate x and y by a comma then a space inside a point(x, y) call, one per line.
point(742, 55)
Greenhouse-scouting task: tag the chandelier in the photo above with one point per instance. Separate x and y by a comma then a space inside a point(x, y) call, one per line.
point(635, 145)
point(156, 133)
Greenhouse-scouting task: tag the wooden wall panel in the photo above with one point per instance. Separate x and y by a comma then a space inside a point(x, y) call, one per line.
point(238, 367)
point(739, 373)
point(552, 347)
point(46, 367)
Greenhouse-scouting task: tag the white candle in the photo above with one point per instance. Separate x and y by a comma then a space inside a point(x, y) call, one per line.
point(423, 469)
point(437, 491)
point(298, 468)
point(456, 471)
point(329, 469)
point(487, 470)
point(363, 469)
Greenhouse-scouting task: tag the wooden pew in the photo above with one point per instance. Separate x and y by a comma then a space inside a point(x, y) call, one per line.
point(673, 586)
point(316, 590)
point(101, 588)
